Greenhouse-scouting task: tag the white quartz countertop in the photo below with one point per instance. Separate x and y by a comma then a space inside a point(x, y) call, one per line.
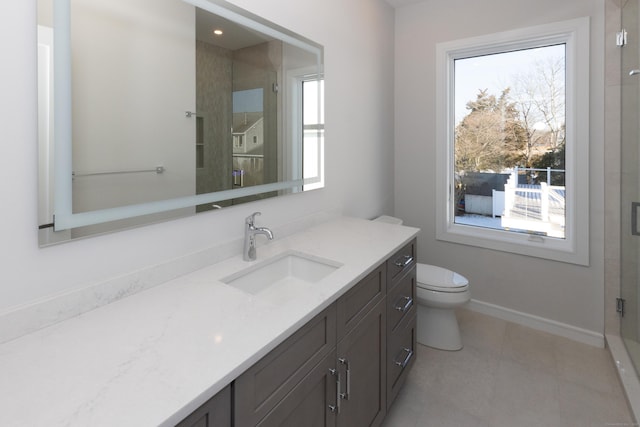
point(152, 358)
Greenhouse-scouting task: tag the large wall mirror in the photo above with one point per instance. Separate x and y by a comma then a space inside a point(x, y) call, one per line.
point(155, 109)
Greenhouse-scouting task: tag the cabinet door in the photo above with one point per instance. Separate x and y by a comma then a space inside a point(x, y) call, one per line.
point(216, 412)
point(261, 387)
point(311, 403)
point(362, 367)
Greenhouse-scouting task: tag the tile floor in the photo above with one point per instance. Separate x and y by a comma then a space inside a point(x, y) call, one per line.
point(508, 375)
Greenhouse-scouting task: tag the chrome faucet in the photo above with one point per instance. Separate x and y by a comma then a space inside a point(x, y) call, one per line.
point(250, 231)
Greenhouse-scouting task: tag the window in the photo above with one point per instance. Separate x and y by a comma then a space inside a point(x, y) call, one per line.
point(512, 160)
point(313, 132)
point(304, 127)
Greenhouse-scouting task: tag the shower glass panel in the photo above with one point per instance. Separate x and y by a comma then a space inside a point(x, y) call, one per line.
point(630, 180)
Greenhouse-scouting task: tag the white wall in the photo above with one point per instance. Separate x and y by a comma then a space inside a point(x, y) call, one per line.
point(358, 38)
point(560, 292)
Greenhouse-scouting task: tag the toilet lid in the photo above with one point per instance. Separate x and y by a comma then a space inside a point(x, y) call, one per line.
point(440, 279)
point(389, 219)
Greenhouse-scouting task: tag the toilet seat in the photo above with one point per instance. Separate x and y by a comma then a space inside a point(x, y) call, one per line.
point(438, 279)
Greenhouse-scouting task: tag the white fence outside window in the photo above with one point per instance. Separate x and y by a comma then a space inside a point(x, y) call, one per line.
point(534, 208)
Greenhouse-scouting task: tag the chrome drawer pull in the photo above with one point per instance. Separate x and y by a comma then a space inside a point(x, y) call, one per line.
point(336, 408)
point(346, 395)
point(405, 362)
point(404, 261)
point(407, 305)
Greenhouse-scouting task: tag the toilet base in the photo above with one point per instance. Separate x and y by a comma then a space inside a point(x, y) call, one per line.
point(438, 328)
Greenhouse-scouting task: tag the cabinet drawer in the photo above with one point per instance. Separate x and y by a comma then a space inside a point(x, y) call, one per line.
point(400, 262)
point(401, 300)
point(401, 355)
point(267, 382)
point(360, 299)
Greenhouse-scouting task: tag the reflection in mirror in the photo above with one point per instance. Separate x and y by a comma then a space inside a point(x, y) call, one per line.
point(154, 109)
point(313, 129)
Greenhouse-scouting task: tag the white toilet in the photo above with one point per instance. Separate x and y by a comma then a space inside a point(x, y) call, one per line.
point(439, 291)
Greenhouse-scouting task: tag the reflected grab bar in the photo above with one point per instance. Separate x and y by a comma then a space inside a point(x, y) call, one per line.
point(157, 169)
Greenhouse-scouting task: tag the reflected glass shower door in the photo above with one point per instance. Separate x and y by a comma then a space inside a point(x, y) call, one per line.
point(630, 180)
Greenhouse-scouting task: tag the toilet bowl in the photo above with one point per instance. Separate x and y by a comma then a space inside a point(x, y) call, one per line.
point(439, 291)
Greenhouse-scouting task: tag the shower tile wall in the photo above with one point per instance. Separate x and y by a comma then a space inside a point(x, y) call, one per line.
point(214, 77)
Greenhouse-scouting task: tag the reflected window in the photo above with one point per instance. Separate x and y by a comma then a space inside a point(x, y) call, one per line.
point(313, 132)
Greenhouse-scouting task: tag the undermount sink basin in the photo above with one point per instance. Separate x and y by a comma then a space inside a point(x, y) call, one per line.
point(287, 268)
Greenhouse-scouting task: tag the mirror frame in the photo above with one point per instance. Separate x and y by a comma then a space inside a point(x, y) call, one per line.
point(63, 216)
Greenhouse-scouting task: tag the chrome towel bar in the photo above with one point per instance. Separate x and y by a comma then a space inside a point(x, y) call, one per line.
point(157, 169)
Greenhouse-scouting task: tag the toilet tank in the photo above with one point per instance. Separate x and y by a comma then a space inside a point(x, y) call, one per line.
point(389, 219)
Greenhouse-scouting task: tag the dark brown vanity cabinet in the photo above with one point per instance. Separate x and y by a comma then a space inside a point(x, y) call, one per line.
point(295, 379)
point(216, 412)
point(358, 301)
point(361, 364)
point(361, 353)
point(344, 367)
point(331, 372)
point(401, 318)
point(309, 403)
point(400, 263)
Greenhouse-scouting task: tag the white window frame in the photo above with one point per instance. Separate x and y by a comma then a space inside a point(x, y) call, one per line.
point(295, 129)
point(574, 248)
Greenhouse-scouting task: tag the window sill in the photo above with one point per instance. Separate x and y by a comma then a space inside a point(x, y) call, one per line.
point(517, 243)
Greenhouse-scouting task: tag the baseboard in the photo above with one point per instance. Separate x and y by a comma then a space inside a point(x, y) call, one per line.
point(538, 323)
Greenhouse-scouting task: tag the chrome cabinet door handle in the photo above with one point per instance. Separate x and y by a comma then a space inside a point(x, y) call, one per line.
point(406, 360)
point(404, 261)
point(407, 305)
point(347, 393)
point(336, 408)
point(634, 218)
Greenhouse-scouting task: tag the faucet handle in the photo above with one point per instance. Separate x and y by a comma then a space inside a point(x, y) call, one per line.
point(251, 218)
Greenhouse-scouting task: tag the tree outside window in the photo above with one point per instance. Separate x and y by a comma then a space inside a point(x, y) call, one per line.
point(509, 143)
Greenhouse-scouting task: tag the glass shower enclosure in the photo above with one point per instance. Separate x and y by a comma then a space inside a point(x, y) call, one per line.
point(630, 180)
